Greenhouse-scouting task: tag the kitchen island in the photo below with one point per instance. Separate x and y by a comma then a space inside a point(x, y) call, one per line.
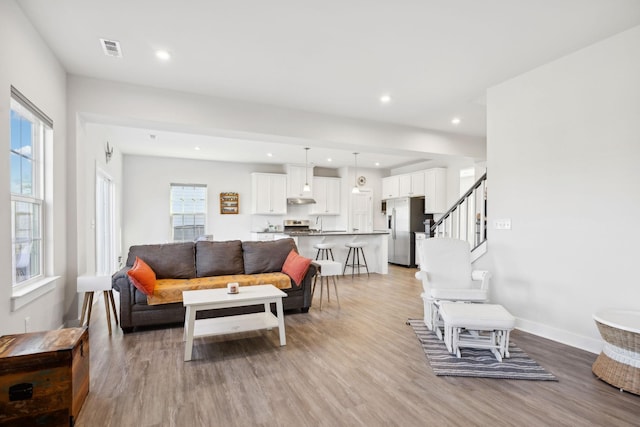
point(376, 250)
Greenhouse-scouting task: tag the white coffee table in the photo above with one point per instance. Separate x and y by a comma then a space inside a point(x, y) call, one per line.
point(210, 299)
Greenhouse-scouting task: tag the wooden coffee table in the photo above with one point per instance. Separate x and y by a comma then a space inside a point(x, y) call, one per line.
point(210, 299)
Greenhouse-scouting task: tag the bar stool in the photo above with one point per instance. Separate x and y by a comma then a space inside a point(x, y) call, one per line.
point(324, 250)
point(355, 250)
point(91, 284)
point(325, 269)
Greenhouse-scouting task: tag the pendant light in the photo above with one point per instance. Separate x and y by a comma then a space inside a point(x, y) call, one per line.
point(307, 187)
point(355, 186)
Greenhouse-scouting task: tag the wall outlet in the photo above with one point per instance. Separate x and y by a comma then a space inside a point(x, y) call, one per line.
point(502, 224)
point(26, 324)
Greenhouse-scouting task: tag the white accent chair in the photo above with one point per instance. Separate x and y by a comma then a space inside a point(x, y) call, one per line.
point(446, 274)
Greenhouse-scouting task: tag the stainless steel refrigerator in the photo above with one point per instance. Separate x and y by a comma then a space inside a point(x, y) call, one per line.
point(404, 216)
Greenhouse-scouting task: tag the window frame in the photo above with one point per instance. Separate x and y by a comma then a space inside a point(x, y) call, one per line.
point(184, 214)
point(41, 135)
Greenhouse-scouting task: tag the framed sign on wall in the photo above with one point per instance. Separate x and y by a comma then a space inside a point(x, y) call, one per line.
point(229, 203)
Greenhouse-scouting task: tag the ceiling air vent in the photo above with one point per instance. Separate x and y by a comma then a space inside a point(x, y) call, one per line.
point(111, 48)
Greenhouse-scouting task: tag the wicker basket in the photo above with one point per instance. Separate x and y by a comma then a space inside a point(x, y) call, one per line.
point(620, 338)
point(619, 374)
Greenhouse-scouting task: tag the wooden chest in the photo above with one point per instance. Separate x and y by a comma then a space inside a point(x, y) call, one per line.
point(44, 377)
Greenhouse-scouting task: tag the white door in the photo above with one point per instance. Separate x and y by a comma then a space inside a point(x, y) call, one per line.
point(361, 218)
point(105, 225)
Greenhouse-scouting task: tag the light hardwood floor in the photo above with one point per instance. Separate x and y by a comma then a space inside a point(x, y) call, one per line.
point(358, 365)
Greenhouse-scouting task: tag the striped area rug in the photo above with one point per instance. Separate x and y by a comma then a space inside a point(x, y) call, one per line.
point(477, 362)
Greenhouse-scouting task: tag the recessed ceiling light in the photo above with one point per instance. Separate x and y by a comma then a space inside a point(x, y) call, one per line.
point(329, 160)
point(197, 148)
point(455, 121)
point(385, 99)
point(269, 155)
point(377, 163)
point(163, 55)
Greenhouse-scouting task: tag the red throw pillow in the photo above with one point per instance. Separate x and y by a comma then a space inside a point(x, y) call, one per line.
point(142, 277)
point(296, 266)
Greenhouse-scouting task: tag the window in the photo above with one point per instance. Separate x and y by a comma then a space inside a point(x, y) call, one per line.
point(188, 211)
point(30, 131)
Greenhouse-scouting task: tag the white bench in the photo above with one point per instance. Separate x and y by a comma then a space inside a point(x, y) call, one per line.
point(477, 326)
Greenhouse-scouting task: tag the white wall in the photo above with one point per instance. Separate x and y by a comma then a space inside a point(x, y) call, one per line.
point(146, 198)
point(563, 156)
point(29, 65)
point(92, 153)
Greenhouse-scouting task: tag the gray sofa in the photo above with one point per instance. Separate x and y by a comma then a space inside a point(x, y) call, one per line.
point(203, 259)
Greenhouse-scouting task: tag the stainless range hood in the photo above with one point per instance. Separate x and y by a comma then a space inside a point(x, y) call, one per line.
point(300, 201)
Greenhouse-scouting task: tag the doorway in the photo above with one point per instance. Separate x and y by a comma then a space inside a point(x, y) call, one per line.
point(361, 217)
point(105, 224)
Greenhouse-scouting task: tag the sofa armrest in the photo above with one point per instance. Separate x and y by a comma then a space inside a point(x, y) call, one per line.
point(117, 283)
point(311, 272)
point(121, 283)
point(306, 286)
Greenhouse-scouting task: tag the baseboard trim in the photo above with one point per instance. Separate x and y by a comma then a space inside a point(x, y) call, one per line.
point(72, 323)
point(591, 345)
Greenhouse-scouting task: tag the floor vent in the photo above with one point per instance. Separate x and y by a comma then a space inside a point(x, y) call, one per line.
point(111, 48)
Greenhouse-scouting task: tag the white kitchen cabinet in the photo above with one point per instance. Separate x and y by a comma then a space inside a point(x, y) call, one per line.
point(297, 177)
point(268, 193)
point(411, 184)
point(266, 237)
point(326, 192)
point(391, 187)
point(435, 187)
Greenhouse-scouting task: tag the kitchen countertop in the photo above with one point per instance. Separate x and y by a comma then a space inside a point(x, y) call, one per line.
point(377, 250)
point(337, 233)
point(325, 233)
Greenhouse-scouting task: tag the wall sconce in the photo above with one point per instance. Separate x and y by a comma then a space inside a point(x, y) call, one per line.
point(108, 152)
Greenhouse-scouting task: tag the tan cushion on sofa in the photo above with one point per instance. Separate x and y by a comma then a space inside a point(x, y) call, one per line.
point(170, 290)
point(219, 258)
point(266, 257)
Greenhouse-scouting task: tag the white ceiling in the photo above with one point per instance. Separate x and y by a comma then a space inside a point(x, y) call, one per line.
point(140, 141)
point(435, 58)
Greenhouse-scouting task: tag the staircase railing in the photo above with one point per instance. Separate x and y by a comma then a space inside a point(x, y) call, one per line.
point(467, 218)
